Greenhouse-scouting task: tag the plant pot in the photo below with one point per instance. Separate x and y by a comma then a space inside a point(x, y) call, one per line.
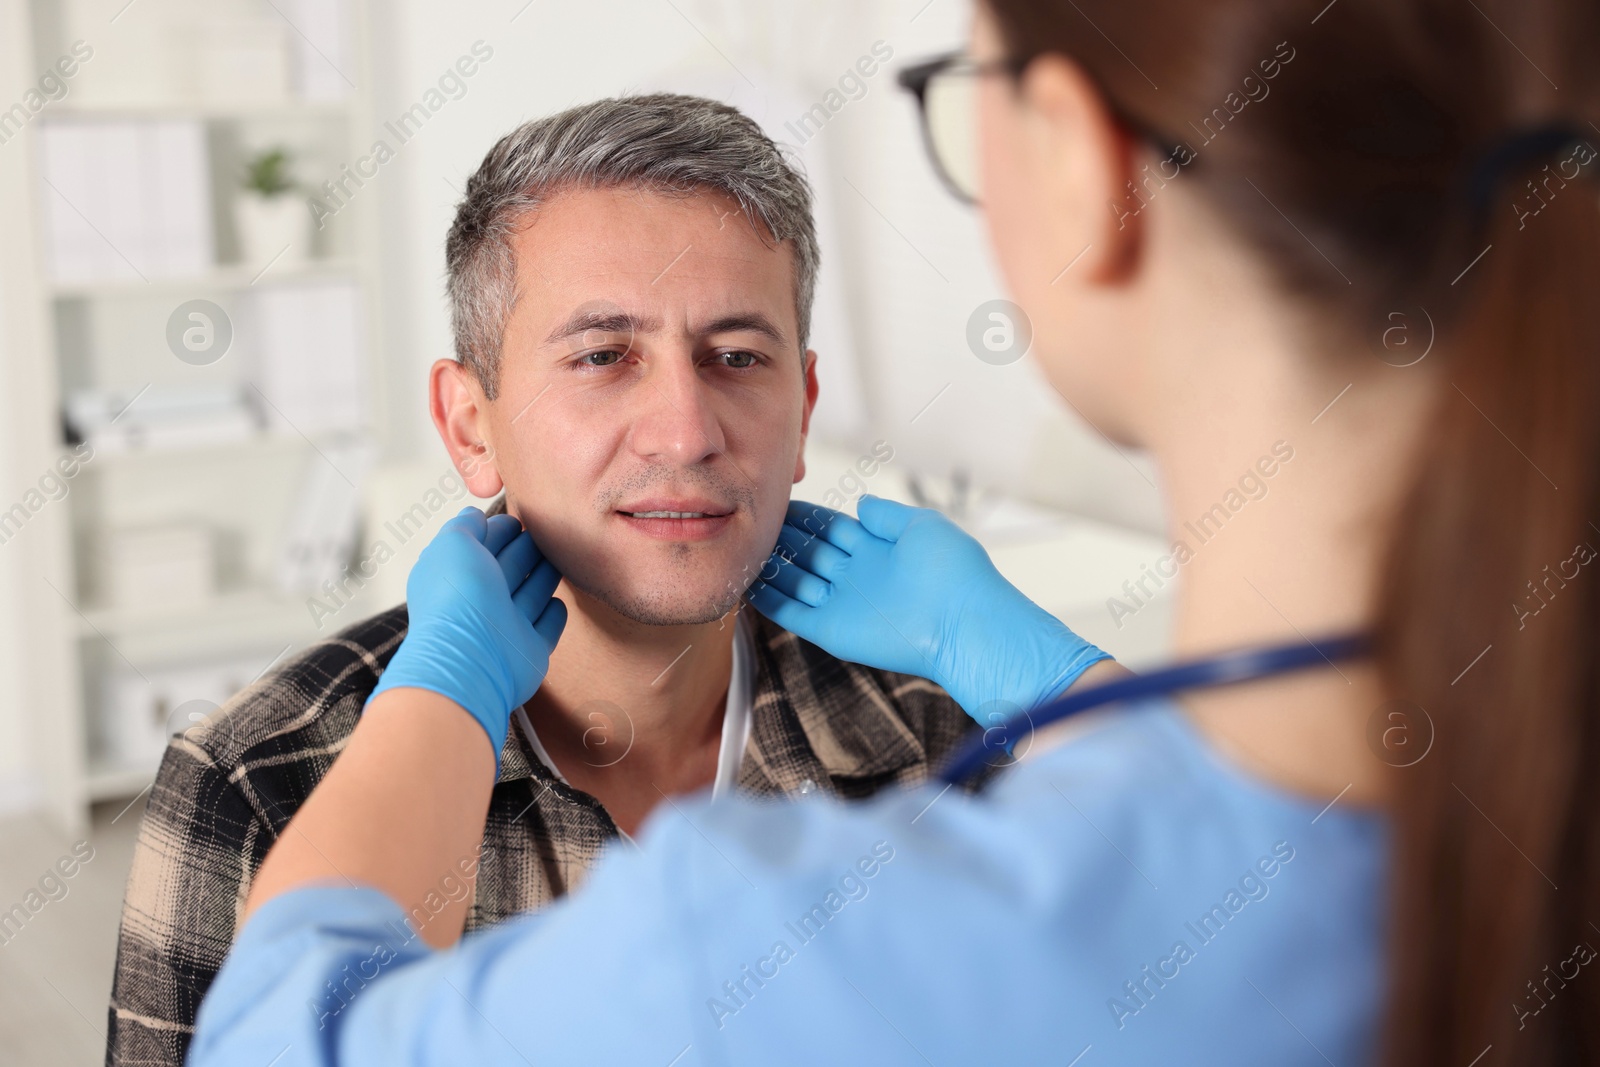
point(269, 226)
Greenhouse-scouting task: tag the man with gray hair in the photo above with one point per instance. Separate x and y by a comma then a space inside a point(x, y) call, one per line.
point(630, 284)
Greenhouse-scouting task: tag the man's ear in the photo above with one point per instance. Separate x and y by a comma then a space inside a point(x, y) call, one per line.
point(460, 414)
point(805, 414)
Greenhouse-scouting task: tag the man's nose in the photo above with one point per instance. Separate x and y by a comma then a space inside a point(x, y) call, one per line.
point(674, 420)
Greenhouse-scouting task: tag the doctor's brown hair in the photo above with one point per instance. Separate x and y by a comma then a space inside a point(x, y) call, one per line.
point(1367, 138)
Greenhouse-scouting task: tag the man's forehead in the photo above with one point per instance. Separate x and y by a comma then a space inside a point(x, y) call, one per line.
point(628, 260)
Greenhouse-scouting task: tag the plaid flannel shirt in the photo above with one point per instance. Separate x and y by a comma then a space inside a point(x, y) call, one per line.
point(226, 790)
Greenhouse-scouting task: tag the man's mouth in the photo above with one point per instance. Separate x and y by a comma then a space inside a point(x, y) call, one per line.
point(670, 515)
point(677, 520)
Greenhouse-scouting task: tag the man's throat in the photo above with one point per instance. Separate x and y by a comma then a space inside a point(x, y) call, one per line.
point(633, 722)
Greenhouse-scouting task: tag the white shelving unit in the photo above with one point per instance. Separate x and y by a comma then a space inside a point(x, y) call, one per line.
point(67, 636)
point(226, 277)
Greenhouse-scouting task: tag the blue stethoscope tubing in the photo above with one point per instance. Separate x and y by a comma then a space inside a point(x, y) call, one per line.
point(1228, 668)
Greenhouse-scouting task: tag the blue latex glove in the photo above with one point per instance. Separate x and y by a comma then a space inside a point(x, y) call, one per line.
point(905, 589)
point(482, 621)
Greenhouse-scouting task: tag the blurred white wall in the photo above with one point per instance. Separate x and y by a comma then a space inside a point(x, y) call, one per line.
point(33, 669)
point(18, 785)
point(904, 263)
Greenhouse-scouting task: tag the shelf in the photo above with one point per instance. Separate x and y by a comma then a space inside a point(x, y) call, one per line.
point(238, 621)
point(56, 336)
point(231, 607)
point(225, 277)
point(108, 782)
point(283, 109)
point(262, 444)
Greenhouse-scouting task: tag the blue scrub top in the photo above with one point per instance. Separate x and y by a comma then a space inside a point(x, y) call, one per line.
point(1125, 898)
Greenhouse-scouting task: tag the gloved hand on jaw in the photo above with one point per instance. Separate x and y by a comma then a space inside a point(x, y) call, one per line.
point(482, 621)
point(905, 589)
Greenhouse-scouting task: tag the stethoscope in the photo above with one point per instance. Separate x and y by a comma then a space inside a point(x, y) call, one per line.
point(1228, 668)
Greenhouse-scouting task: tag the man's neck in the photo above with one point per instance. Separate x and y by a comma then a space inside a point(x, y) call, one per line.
point(632, 713)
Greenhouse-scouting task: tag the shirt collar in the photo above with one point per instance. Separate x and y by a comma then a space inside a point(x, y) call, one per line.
point(818, 717)
point(813, 718)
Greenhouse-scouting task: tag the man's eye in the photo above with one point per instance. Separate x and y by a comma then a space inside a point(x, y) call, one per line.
point(739, 360)
point(604, 358)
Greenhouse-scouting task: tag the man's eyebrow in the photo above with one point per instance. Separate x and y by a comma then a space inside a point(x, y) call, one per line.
point(611, 320)
point(744, 322)
point(602, 321)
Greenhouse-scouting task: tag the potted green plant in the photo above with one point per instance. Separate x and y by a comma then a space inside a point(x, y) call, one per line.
point(273, 222)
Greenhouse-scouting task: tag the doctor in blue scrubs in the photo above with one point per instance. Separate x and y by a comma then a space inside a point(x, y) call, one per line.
point(1335, 272)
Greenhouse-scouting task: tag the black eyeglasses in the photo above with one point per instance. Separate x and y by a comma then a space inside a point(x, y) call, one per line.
point(946, 92)
point(947, 96)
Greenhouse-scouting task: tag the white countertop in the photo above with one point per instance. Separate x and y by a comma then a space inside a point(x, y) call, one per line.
point(1069, 565)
